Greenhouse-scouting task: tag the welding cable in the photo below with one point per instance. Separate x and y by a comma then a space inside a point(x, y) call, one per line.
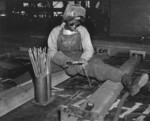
point(85, 71)
point(123, 99)
point(83, 66)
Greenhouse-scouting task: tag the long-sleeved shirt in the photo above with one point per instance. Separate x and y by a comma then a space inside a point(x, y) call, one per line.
point(85, 40)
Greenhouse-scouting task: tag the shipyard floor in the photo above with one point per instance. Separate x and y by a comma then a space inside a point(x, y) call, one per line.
point(14, 62)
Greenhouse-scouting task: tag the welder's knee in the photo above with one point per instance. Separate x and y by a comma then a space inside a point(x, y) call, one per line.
point(96, 61)
point(97, 67)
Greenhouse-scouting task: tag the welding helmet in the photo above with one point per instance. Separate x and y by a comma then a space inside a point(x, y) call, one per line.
point(73, 11)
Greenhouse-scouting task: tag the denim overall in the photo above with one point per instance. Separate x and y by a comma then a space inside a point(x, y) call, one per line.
point(71, 46)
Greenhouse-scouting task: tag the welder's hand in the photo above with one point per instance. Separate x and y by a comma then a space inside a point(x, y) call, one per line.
point(76, 66)
point(72, 70)
point(84, 62)
point(61, 59)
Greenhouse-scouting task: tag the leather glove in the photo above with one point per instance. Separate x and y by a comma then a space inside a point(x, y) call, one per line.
point(76, 67)
point(61, 59)
point(73, 70)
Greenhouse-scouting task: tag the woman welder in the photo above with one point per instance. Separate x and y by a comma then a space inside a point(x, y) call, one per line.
point(70, 43)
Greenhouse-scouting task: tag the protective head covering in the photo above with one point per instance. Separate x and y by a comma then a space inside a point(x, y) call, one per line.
point(72, 11)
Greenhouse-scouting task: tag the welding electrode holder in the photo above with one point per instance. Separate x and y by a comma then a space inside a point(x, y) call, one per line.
point(74, 63)
point(42, 90)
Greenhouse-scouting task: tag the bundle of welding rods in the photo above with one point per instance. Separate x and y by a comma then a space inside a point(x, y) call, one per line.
point(40, 60)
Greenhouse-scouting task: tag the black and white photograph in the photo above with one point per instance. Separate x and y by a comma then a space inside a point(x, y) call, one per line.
point(74, 60)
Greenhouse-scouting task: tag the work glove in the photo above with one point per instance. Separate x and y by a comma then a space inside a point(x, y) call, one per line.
point(61, 59)
point(76, 66)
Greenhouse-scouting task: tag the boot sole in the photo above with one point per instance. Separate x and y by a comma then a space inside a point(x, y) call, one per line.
point(143, 80)
point(140, 82)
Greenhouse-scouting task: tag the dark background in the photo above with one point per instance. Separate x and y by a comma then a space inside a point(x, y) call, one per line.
point(130, 18)
point(27, 23)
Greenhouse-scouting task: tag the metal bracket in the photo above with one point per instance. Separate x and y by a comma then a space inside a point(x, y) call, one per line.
point(137, 52)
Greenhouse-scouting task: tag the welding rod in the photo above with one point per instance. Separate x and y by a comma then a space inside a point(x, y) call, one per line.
point(90, 85)
point(33, 62)
point(39, 61)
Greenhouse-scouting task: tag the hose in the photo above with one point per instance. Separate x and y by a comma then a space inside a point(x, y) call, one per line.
point(124, 97)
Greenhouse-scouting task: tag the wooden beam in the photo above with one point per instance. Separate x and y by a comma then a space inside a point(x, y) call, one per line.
point(122, 46)
point(104, 96)
point(16, 96)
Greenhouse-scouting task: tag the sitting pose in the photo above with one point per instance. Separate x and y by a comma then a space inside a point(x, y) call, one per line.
point(70, 43)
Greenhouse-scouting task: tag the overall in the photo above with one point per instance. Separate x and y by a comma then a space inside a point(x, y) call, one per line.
point(71, 46)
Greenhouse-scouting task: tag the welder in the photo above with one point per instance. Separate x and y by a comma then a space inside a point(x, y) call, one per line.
point(71, 48)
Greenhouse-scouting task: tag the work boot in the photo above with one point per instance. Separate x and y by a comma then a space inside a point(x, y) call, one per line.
point(126, 81)
point(133, 87)
point(139, 83)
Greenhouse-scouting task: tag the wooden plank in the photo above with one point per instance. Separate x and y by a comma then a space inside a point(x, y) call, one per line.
point(16, 96)
point(106, 95)
point(122, 46)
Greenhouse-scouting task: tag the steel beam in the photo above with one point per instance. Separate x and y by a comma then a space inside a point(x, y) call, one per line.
point(106, 95)
point(103, 97)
